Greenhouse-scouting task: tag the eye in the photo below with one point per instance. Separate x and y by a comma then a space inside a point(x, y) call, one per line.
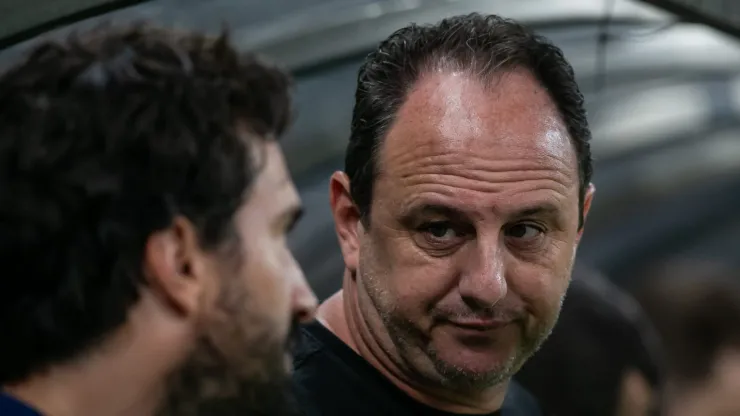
point(440, 230)
point(524, 231)
point(440, 238)
point(290, 226)
point(291, 221)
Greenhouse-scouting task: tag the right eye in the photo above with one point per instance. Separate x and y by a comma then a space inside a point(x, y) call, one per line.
point(440, 238)
point(440, 230)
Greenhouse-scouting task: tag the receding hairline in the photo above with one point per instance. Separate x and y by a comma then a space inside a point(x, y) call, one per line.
point(488, 83)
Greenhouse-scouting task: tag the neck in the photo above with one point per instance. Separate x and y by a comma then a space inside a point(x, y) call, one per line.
point(125, 376)
point(342, 315)
point(97, 386)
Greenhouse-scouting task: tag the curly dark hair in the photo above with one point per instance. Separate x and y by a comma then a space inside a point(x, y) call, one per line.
point(480, 45)
point(105, 137)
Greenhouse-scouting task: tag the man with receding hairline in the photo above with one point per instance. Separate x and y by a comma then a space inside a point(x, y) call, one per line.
point(464, 196)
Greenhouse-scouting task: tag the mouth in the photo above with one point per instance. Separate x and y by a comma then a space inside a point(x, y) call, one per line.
point(480, 325)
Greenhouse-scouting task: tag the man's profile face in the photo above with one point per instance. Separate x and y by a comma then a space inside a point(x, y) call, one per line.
point(473, 228)
point(241, 360)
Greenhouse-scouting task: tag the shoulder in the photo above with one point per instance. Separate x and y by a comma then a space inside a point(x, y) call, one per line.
point(520, 402)
point(320, 375)
point(305, 373)
point(312, 360)
point(307, 345)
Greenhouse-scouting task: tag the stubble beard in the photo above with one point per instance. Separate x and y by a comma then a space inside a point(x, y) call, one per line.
point(417, 354)
point(249, 380)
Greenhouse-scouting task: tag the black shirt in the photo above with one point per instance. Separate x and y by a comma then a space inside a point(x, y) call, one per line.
point(330, 379)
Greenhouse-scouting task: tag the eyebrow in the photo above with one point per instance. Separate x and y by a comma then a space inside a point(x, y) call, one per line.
point(434, 210)
point(544, 208)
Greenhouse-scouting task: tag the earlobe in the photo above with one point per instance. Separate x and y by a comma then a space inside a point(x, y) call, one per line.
point(169, 268)
point(346, 218)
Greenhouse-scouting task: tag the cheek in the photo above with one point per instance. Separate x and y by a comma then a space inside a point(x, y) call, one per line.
point(266, 279)
point(541, 286)
point(395, 269)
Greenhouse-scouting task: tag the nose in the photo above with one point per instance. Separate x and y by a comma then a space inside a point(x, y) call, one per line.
point(304, 301)
point(483, 281)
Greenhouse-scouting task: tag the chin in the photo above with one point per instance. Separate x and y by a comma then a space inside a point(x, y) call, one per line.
point(462, 365)
point(474, 376)
point(477, 362)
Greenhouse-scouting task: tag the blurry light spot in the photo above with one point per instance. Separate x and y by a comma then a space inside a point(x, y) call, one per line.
point(648, 116)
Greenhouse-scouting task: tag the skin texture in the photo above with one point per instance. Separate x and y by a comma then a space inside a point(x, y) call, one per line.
point(209, 335)
point(459, 273)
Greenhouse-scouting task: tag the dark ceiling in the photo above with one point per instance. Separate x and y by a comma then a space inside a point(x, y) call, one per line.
point(719, 14)
point(23, 19)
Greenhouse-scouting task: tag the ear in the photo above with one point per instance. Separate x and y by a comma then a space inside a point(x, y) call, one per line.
point(174, 266)
point(587, 199)
point(346, 219)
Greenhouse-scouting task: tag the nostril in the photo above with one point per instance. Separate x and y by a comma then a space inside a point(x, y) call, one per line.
point(305, 303)
point(304, 316)
point(307, 312)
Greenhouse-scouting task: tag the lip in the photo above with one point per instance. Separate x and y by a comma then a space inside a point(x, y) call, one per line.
point(480, 324)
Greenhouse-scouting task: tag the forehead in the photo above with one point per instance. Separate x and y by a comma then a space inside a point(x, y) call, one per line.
point(511, 118)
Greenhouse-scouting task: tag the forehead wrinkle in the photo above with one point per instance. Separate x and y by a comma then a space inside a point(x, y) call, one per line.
point(433, 155)
point(453, 176)
point(430, 157)
point(481, 191)
point(483, 169)
point(480, 185)
point(493, 152)
point(455, 162)
point(477, 205)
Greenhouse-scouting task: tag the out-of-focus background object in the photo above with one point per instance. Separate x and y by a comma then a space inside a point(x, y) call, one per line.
point(720, 14)
point(695, 306)
point(603, 356)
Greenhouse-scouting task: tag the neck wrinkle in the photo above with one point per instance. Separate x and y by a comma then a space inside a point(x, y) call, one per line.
point(342, 316)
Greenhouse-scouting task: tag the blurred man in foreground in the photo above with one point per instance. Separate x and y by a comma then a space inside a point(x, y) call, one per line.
point(696, 309)
point(144, 205)
point(466, 187)
point(602, 357)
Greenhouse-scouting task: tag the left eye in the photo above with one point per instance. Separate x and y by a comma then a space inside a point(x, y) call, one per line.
point(524, 231)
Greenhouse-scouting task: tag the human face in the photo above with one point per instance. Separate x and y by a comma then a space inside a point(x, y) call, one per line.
point(473, 229)
point(241, 360)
